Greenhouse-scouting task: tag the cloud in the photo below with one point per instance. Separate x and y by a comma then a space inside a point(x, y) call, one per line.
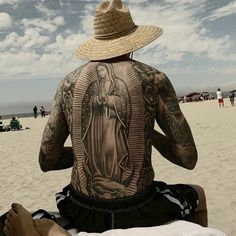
point(184, 2)
point(224, 11)
point(31, 39)
point(225, 68)
point(44, 47)
point(8, 2)
point(184, 32)
point(65, 45)
point(29, 64)
point(30, 55)
point(43, 24)
point(45, 11)
point(5, 20)
point(230, 85)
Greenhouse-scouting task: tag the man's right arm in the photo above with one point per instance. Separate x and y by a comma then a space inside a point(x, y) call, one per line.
point(53, 155)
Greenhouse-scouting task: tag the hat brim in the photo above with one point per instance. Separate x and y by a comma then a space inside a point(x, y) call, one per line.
point(97, 49)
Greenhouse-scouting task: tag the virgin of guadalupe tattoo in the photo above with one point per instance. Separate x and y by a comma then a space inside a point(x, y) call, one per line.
point(105, 129)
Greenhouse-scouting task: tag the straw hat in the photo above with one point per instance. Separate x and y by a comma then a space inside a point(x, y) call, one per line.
point(115, 33)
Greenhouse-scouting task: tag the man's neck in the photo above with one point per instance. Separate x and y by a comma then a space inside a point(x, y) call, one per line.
point(125, 57)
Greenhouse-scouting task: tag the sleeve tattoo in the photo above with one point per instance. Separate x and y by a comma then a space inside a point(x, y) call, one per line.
point(53, 155)
point(177, 145)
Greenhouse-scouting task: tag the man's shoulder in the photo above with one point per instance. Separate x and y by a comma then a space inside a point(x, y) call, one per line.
point(69, 81)
point(142, 70)
point(72, 76)
point(148, 72)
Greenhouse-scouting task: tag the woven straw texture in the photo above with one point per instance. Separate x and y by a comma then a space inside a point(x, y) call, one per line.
point(95, 49)
point(115, 34)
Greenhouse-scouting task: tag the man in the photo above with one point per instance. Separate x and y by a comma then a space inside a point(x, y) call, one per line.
point(35, 110)
point(109, 107)
point(220, 98)
point(231, 98)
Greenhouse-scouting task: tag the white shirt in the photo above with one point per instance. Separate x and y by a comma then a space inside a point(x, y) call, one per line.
point(219, 95)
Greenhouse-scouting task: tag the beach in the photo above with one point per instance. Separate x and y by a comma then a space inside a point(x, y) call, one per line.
point(214, 131)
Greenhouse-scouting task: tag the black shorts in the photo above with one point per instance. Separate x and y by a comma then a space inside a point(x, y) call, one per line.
point(156, 205)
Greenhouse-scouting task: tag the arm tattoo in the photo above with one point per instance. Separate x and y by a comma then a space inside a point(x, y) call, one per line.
point(179, 146)
point(53, 155)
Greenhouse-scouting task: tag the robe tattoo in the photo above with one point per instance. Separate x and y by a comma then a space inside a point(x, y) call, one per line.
point(105, 129)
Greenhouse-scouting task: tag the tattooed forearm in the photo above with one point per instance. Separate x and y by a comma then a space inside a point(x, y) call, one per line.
point(54, 136)
point(52, 153)
point(64, 160)
point(177, 154)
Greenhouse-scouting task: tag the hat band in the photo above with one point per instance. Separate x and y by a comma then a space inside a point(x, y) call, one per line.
point(116, 34)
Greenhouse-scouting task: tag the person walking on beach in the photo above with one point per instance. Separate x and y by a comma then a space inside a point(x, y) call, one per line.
point(109, 107)
point(35, 111)
point(220, 98)
point(42, 111)
point(231, 98)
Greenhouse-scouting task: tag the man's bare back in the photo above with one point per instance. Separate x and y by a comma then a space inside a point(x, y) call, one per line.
point(109, 109)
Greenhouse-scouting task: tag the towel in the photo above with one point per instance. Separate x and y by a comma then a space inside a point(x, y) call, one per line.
point(174, 228)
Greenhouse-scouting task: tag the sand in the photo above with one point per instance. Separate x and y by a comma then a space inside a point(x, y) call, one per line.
point(213, 128)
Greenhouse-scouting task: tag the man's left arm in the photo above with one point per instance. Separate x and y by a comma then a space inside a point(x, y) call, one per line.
point(177, 145)
point(53, 155)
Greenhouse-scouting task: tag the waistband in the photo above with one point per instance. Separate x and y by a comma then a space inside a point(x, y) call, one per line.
point(114, 205)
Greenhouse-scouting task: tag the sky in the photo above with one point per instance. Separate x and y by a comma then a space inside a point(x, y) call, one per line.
point(38, 39)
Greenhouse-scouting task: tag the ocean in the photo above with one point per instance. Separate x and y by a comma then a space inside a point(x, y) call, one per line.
point(23, 109)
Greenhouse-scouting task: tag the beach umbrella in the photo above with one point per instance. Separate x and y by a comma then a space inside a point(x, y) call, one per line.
point(192, 94)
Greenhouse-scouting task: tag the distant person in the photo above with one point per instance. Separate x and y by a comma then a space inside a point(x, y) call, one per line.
point(220, 98)
point(42, 111)
point(15, 124)
point(35, 110)
point(185, 99)
point(231, 98)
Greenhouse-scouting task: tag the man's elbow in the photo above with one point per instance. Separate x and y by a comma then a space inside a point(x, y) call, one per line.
point(43, 166)
point(43, 163)
point(191, 166)
point(192, 161)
